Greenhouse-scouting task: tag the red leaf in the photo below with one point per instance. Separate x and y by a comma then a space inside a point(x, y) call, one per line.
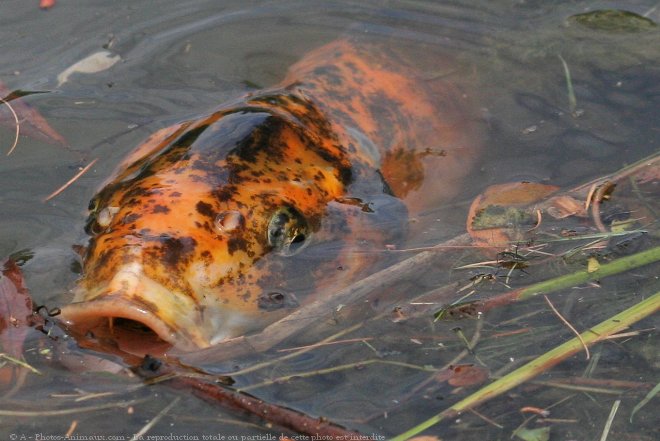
point(16, 316)
point(31, 121)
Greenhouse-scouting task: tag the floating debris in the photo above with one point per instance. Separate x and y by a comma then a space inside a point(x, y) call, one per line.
point(613, 20)
point(97, 62)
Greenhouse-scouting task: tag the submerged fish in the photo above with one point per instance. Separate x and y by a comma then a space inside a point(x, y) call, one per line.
point(218, 226)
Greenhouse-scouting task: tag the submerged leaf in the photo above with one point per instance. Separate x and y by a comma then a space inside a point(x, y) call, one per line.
point(468, 375)
point(16, 320)
point(15, 309)
point(31, 121)
point(592, 265)
point(97, 62)
point(613, 20)
point(540, 434)
point(504, 213)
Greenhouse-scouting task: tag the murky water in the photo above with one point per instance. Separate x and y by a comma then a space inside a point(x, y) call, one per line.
point(181, 59)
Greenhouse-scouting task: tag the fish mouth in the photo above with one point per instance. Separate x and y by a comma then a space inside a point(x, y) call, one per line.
point(139, 314)
point(133, 327)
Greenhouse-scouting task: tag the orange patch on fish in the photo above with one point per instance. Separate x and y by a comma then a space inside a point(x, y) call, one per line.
point(218, 226)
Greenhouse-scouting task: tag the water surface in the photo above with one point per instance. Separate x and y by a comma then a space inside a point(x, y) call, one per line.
point(180, 59)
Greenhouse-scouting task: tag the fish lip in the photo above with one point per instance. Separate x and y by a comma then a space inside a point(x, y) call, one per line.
point(82, 317)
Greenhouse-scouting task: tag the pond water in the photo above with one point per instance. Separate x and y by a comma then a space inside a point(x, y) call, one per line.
point(180, 60)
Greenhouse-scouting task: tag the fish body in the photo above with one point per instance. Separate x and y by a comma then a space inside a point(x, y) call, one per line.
point(218, 226)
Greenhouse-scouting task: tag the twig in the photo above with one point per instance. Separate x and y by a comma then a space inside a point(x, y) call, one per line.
point(598, 197)
point(19, 362)
point(71, 181)
point(276, 415)
point(258, 366)
point(543, 363)
point(319, 344)
point(570, 280)
point(561, 317)
point(72, 428)
point(486, 419)
point(155, 419)
point(18, 126)
point(70, 411)
point(627, 171)
point(343, 367)
point(590, 195)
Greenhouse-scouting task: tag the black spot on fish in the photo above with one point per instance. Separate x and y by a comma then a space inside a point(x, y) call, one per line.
point(177, 251)
point(161, 209)
point(130, 218)
point(207, 257)
point(237, 244)
point(225, 193)
point(205, 209)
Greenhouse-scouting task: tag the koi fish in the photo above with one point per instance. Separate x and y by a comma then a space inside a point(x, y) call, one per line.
point(218, 226)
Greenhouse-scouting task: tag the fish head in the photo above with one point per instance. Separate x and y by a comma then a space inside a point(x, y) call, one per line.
point(192, 237)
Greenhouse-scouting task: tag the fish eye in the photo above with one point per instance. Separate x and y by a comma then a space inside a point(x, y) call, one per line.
point(288, 231)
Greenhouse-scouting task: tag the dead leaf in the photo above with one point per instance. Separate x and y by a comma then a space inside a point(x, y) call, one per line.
point(403, 171)
point(31, 121)
point(463, 375)
point(468, 375)
point(517, 193)
point(15, 309)
point(16, 320)
point(504, 213)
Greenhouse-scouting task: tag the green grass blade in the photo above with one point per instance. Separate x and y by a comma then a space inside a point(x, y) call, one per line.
point(541, 364)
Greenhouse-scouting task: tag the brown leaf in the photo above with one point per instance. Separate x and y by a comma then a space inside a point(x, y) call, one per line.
point(517, 193)
point(16, 319)
point(403, 171)
point(467, 375)
point(462, 375)
point(15, 309)
point(32, 123)
point(504, 213)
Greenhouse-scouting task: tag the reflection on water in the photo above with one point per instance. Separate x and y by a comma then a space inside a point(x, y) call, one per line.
point(180, 60)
